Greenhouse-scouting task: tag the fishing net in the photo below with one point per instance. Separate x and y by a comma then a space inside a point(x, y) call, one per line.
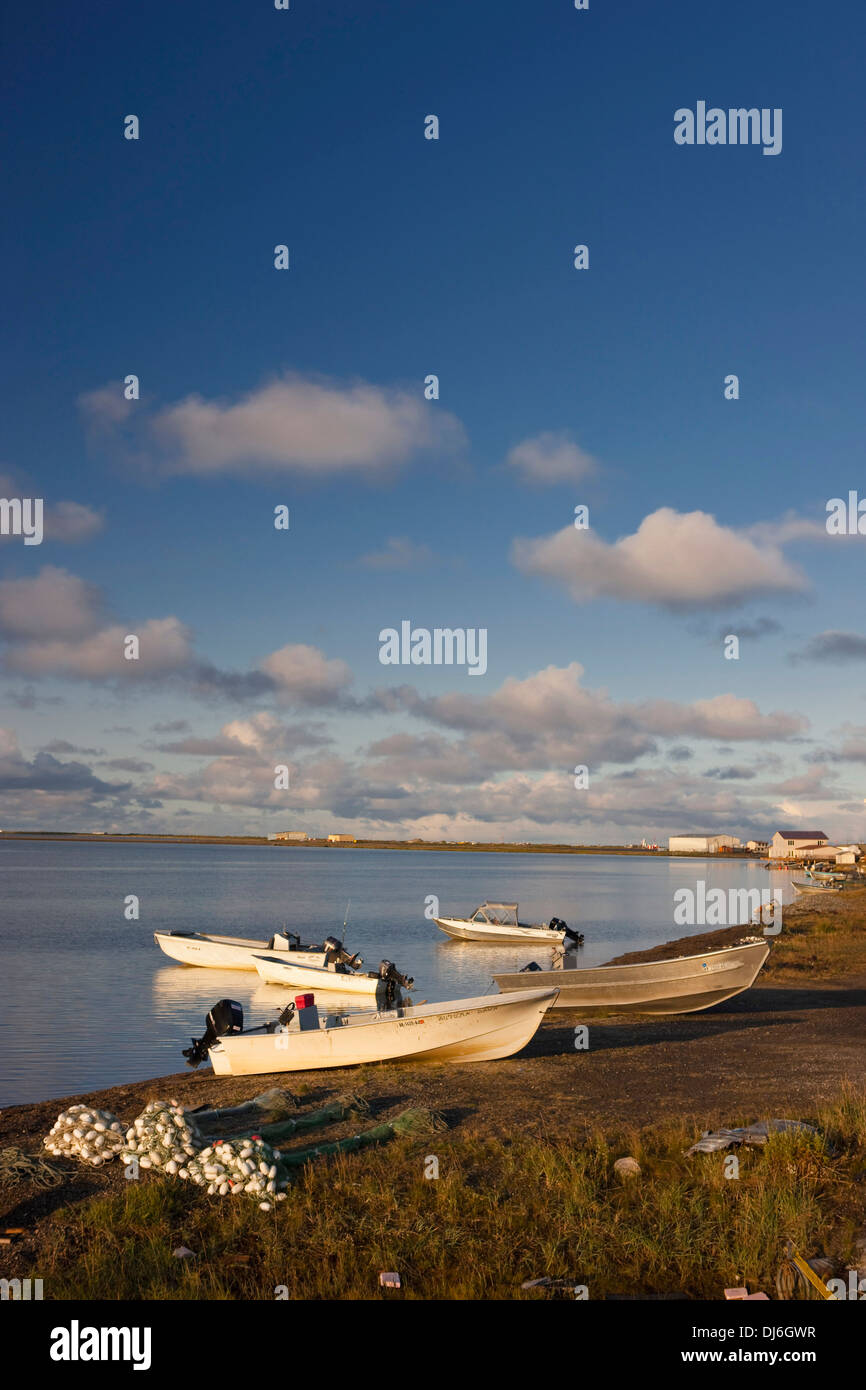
point(86, 1133)
point(17, 1166)
point(167, 1139)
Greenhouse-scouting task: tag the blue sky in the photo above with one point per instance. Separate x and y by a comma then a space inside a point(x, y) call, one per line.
point(408, 257)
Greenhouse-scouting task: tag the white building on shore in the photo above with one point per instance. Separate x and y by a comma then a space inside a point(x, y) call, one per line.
point(794, 844)
point(702, 844)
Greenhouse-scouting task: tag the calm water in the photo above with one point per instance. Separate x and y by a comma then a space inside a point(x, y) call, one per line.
point(92, 1002)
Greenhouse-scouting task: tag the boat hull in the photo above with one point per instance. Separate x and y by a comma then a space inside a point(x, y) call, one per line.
point(227, 952)
point(684, 985)
point(463, 1030)
point(276, 970)
point(459, 929)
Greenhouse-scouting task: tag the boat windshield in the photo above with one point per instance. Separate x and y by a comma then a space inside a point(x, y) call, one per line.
point(497, 914)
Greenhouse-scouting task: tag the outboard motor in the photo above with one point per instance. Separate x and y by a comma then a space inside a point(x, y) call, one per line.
point(391, 980)
point(336, 952)
point(557, 924)
point(225, 1017)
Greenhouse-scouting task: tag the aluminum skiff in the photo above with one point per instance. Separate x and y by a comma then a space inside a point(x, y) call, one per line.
point(680, 986)
point(461, 1030)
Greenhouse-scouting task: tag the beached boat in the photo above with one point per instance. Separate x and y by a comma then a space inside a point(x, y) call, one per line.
point(499, 923)
point(810, 885)
point(239, 953)
point(461, 1030)
point(825, 874)
point(290, 973)
point(680, 986)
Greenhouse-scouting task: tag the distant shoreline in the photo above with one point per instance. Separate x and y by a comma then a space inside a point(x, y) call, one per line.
point(445, 846)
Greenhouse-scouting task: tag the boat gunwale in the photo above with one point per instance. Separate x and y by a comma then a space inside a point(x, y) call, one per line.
point(238, 942)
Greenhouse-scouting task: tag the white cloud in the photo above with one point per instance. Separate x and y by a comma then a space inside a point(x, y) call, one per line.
point(399, 553)
point(789, 528)
point(67, 522)
point(550, 458)
point(554, 701)
point(294, 424)
point(164, 644)
point(721, 716)
point(105, 407)
point(304, 675)
point(550, 720)
point(678, 560)
point(261, 735)
point(55, 624)
point(52, 604)
point(72, 522)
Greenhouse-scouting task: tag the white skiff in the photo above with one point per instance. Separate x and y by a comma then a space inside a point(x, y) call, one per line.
point(680, 986)
point(462, 1030)
point(293, 974)
point(498, 922)
point(239, 953)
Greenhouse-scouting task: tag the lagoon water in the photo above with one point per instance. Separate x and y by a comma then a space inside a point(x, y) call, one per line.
point(91, 1002)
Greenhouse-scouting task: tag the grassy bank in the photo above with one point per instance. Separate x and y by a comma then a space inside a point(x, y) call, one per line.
point(502, 1211)
point(822, 937)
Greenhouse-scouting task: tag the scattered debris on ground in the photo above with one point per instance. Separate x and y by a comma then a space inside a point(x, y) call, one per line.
point(714, 1140)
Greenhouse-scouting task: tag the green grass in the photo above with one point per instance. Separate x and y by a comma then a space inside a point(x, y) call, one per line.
point(500, 1212)
point(821, 943)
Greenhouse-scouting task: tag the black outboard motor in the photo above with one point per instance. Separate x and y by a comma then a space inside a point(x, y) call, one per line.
point(557, 924)
point(336, 953)
point(392, 980)
point(225, 1017)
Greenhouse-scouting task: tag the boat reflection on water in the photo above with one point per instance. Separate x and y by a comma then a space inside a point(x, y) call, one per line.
point(472, 964)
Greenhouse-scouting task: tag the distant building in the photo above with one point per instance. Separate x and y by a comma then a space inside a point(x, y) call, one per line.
point(341, 840)
point(758, 846)
point(289, 835)
point(791, 844)
point(847, 854)
point(702, 844)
